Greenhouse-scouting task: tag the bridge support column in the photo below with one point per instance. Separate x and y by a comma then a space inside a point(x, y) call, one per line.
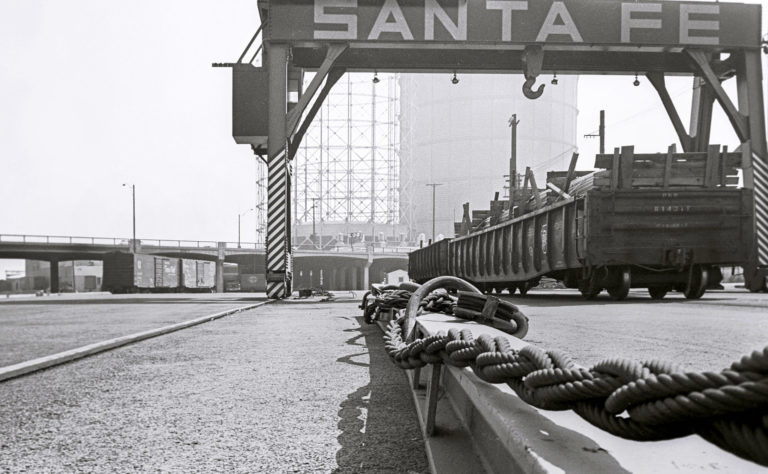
point(219, 276)
point(220, 268)
point(367, 271)
point(332, 279)
point(54, 275)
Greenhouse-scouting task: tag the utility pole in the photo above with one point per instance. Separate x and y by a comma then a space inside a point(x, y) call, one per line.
point(513, 162)
point(600, 132)
point(133, 200)
point(434, 186)
point(238, 225)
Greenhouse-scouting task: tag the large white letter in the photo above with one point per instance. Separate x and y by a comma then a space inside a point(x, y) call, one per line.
point(506, 8)
point(334, 19)
point(686, 24)
point(433, 10)
point(399, 26)
point(567, 28)
point(627, 22)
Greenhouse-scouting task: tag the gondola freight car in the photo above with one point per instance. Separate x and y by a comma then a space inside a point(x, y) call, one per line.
point(627, 229)
point(131, 273)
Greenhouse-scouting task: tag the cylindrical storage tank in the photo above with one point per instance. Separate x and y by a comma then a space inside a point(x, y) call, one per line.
point(458, 136)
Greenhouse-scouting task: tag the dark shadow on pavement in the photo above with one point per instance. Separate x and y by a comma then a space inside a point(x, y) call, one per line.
point(379, 428)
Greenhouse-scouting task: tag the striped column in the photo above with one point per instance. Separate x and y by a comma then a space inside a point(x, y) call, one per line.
point(760, 177)
point(278, 245)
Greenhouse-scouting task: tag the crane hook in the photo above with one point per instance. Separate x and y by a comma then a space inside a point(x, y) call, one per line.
point(528, 89)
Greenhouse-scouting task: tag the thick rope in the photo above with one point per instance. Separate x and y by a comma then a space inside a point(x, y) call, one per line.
point(644, 401)
point(485, 309)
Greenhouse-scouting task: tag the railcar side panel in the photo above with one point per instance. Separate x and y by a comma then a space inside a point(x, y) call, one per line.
point(635, 227)
point(652, 227)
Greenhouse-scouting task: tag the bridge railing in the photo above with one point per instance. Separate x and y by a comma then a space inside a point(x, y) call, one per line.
point(194, 244)
point(361, 248)
point(63, 239)
point(245, 245)
point(124, 242)
point(200, 244)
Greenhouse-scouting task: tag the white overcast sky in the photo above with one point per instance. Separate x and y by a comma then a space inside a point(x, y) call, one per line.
point(96, 93)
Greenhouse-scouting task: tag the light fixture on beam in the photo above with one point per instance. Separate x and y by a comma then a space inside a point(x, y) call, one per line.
point(554, 80)
point(636, 82)
point(455, 79)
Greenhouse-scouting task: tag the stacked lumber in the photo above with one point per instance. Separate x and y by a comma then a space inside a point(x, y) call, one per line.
point(626, 169)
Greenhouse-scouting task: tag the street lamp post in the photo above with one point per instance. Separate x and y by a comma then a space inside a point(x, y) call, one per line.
point(133, 199)
point(434, 185)
point(314, 235)
point(238, 225)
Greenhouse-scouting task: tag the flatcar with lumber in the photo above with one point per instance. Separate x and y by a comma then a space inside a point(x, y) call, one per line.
point(663, 221)
point(134, 273)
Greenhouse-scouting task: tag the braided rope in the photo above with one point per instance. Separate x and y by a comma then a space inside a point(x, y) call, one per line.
point(644, 401)
point(506, 317)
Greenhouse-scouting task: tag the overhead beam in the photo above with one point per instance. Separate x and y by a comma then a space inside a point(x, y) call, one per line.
point(332, 54)
point(657, 80)
point(702, 102)
point(738, 121)
point(333, 77)
point(467, 23)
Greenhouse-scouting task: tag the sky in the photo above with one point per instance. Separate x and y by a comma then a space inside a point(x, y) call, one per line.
point(95, 93)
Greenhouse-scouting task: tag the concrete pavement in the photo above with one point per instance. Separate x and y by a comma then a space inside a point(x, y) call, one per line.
point(284, 388)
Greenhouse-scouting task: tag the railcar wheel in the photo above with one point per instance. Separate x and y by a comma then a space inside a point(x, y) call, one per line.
point(589, 287)
point(512, 289)
point(623, 282)
point(760, 287)
point(590, 294)
point(657, 292)
point(523, 287)
point(697, 282)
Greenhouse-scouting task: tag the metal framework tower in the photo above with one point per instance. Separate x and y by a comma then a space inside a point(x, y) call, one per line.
point(348, 164)
point(260, 206)
point(407, 155)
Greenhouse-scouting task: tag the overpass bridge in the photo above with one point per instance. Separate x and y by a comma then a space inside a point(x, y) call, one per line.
point(341, 266)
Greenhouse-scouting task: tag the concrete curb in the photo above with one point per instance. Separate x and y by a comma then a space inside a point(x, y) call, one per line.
point(509, 435)
point(453, 450)
point(40, 363)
